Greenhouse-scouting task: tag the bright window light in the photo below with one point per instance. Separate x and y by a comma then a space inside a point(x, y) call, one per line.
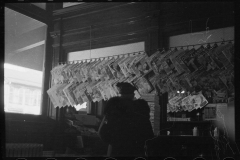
point(14, 67)
point(79, 107)
point(23, 63)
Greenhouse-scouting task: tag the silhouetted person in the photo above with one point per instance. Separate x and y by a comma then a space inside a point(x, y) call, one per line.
point(126, 125)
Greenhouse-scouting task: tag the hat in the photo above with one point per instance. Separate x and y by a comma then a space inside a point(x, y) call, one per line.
point(125, 88)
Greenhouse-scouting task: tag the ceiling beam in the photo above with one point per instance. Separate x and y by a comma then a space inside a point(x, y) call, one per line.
point(26, 48)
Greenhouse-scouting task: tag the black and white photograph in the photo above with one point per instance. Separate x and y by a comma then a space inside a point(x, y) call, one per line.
point(120, 80)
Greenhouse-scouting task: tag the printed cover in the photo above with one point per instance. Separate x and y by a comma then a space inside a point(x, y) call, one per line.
point(53, 97)
point(68, 91)
point(77, 92)
point(63, 100)
point(151, 63)
point(117, 70)
point(142, 65)
point(229, 52)
point(174, 63)
point(133, 69)
point(123, 66)
point(188, 60)
point(143, 85)
point(151, 77)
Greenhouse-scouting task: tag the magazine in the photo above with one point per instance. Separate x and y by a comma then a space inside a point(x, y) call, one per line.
point(117, 69)
point(162, 84)
point(129, 72)
point(90, 92)
point(173, 61)
point(160, 63)
point(77, 93)
point(53, 96)
point(133, 67)
point(143, 85)
point(63, 100)
point(68, 91)
point(150, 61)
point(227, 78)
point(188, 60)
point(122, 68)
point(108, 69)
point(74, 71)
point(177, 59)
point(90, 73)
point(82, 72)
point(84, 96)
point(151, 77)
point(229, 52)
point(96, 94)
point(112, 69)
point(142, 66)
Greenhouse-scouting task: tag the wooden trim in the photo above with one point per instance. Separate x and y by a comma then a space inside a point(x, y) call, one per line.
point(115, 43)
point(107, 37)
point(88, 8)
point(30, 10)
point(98, 26)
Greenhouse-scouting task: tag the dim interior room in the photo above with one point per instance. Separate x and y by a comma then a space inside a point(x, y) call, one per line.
point(64, 63)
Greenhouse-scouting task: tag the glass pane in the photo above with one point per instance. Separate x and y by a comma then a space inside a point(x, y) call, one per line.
point(23, 64)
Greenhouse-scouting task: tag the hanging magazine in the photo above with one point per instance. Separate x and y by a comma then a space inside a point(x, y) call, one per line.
point(112, 69)
point(143, 85)
point(151, 63)
point(123, 67)
point(174, 64)
point(142, 65)
point(229, 52)
point(131, 74)
point(61, 96)
point(151, 78)
point(68, 90)
point(133, 67)
point(160, 63)
point(77, 92)
point(108, 69)
point(188, 60)
point(115, 67)
point(53, 97)
point(96, 96)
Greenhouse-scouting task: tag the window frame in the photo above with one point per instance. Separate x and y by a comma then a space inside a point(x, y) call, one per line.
point(44, 16)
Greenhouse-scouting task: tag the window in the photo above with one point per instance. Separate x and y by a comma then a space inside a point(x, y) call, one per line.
point(25, 39)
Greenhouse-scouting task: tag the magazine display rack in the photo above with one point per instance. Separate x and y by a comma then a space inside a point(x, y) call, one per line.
point(192, 78)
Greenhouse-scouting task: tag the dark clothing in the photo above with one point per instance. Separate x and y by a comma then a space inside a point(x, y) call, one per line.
point(128, 126)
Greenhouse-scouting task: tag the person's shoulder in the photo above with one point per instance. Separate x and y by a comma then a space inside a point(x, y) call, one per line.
point(141, 101)
point(113, 100)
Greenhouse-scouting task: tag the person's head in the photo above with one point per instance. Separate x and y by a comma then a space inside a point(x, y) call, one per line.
point(126, 90)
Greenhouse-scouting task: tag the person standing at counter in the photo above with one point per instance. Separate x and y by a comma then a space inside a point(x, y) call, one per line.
point(126, 125)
